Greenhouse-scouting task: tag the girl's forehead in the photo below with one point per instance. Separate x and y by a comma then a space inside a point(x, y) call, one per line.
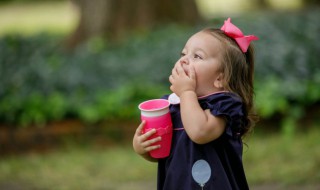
point(204, 40)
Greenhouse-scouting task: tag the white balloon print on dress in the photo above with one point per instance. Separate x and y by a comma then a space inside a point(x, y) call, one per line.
point(201, 172)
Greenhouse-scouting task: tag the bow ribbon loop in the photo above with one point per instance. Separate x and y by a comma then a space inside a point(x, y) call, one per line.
point(234, 32)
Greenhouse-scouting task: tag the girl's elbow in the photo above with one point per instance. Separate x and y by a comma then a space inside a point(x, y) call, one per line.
point(203, 137)
point(199, 140)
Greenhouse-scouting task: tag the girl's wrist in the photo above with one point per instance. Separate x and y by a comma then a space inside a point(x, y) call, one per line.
point(188, 93)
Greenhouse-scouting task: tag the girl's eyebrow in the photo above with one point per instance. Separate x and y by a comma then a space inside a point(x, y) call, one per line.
point(201, 50)
point(196, 49)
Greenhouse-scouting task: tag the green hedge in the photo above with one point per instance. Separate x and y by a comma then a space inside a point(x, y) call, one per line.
point(39, 82)
point(288, 72)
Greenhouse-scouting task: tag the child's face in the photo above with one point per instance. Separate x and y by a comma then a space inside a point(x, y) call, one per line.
point(203, 52)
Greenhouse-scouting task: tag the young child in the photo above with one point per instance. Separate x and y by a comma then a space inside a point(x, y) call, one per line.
point(213, 80)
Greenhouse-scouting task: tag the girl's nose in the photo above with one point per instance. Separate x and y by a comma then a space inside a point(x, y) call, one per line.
point(184, 60)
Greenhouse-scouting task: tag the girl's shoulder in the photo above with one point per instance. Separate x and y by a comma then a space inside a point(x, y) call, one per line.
point(223, 103)
point(230, 106)
point(221, 96)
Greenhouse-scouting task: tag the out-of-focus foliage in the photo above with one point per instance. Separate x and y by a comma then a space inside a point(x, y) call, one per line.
point(40, 83)
point(287, 71)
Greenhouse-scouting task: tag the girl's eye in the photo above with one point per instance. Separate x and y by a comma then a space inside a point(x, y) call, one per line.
point(197, 56)
point(182, 54)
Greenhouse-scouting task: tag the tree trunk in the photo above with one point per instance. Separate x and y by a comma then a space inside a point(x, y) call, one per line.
point(113, 19)
point(262, 4)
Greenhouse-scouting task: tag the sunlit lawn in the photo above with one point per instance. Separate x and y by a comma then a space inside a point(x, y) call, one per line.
point(61, 16)
point(269, 160)
point(31, 18)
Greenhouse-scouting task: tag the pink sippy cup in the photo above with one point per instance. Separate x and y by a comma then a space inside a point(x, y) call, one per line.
point(157, 116)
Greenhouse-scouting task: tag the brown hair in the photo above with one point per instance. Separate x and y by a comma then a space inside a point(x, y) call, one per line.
point(238, 68)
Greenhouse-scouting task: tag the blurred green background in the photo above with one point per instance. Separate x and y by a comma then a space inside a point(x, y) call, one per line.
point(73, 72)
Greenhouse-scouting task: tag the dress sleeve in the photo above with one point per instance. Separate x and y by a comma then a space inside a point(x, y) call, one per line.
point(230, 107)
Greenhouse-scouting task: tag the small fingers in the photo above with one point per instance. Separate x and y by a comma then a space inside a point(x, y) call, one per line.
point(140, 127)
point(143, 139)
point(192, 72)
point(148, 145)
point(180, 69)
point(150, 148)
point(148, 134)
point(171, 79)
point(174, 73)
point(151, 141)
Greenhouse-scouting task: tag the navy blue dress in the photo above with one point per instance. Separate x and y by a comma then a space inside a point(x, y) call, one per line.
point(224, 155)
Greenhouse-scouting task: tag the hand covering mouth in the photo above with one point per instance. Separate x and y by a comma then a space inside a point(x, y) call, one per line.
point(186, 69)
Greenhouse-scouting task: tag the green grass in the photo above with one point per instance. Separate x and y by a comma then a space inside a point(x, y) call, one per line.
point(78, 168)
point(32, 18)
point(274, 159)
point(269, 159)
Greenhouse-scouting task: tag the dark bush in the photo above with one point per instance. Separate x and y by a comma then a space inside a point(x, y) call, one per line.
point(39, 82)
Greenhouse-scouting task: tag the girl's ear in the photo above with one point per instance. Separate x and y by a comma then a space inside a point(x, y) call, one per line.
point(218, 83)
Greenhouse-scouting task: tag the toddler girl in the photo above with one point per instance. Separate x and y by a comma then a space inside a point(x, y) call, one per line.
point(212, 110)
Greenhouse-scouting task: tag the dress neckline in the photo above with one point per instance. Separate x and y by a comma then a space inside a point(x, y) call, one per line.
point(174, 99)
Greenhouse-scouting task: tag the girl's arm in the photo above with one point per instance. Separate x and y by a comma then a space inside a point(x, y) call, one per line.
point(200, 125)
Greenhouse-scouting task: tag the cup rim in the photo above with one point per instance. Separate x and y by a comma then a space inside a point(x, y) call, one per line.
point(157, 109)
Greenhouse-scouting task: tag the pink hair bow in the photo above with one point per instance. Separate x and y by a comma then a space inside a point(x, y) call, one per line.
point(235, 33)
